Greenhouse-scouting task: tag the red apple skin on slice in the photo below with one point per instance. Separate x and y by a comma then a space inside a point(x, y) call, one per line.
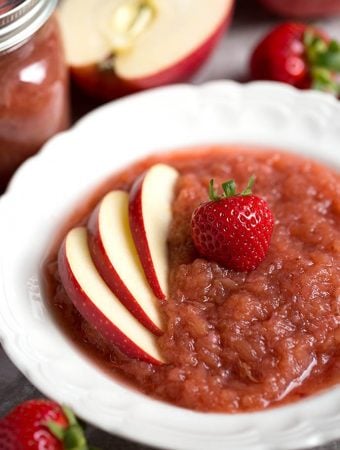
point(106, 85)
point(115, 203)
point(150, 220)
point(71, 271)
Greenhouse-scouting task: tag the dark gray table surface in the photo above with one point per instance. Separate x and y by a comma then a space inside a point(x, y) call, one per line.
point(228, 62)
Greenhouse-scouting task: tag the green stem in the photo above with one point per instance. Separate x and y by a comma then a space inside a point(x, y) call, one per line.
point(72, 436)
point(229, 189)
point(212, 193)
point(324, 62)
point(250, 185)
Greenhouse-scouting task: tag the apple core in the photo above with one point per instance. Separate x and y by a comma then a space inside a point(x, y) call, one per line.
point(129, 20)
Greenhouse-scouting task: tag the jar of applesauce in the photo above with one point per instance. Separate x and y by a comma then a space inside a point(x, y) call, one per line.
point(34, 97)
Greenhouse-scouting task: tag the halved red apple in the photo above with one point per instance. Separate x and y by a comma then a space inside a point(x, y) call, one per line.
point(115, 256)
point(150, 216)
point(116, 47)
point(303, 8)
point(97, 303)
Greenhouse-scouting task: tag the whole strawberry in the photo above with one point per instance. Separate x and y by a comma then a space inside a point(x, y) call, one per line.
point(233, 229)
point(41, 425)
point(300, 55)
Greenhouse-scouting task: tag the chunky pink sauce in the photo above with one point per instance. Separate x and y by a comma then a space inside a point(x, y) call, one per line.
point(237, 341)
point(34, 97)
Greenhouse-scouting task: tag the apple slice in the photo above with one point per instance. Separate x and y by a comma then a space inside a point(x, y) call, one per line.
point(116, 47)
point(150, 216)
point(97, 303)
point(115, 256)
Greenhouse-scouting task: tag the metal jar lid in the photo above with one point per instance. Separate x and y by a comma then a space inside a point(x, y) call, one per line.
point(20, 19)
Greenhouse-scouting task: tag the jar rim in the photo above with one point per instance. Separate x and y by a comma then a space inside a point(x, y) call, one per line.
point(20, 22)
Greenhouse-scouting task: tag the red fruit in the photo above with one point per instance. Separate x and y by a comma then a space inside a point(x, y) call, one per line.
point(234, 229)
point(303, 8)
point(40, 425)
point(300, 55)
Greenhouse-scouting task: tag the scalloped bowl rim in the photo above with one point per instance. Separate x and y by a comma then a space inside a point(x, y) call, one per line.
point(179, 116)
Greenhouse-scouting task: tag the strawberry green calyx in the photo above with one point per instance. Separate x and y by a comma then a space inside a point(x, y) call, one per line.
point(324, 62)
point(250, 185)
point(229, 189)
point(212, 193)
point(72, 436)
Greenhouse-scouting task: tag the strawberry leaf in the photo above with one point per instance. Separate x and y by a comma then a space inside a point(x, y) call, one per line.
point(229, 188)
point(72, 436)
point(250, 185)
point(329, 60)
point(324, 62)
point(323, 81)
point(212, 193)
point(71, 418)
point(57, 430)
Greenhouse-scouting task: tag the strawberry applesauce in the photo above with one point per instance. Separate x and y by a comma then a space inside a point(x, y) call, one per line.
point(235, 341)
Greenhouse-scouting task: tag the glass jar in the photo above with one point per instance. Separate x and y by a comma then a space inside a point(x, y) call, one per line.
point(34, 97)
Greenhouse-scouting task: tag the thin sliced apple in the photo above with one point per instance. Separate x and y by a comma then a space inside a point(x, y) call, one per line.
point(115, 256)
point(98, 305)
point(150, 216)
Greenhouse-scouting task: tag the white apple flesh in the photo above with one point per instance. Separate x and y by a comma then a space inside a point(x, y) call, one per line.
point(115, 47)
point(116, 259)
point(150, 216)
point(98, 305)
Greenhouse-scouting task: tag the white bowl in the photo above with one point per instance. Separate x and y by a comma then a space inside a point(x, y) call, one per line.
point(52, 184)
